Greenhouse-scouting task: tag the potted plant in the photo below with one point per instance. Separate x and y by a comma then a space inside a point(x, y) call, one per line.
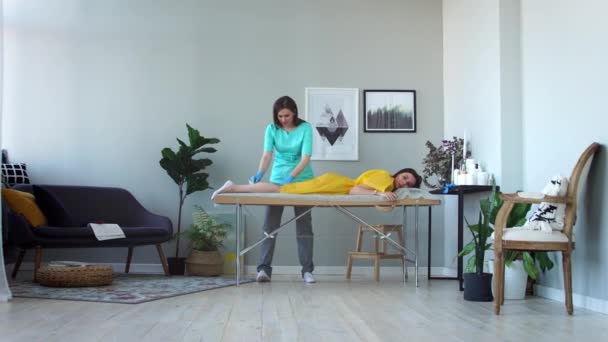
point(519, 264)
point(440, 161)
point(206, 235)
point(522, 267)
point(186, 172)
point(477, 284)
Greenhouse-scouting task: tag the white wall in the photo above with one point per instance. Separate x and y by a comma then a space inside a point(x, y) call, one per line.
point(565, 50)
point(472, 97)
point(95, 89)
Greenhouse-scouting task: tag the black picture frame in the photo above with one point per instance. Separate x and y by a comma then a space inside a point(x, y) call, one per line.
point(389, 111)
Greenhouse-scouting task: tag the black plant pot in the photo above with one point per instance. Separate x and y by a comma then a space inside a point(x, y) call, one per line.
point(478, 287)
point(177, 266)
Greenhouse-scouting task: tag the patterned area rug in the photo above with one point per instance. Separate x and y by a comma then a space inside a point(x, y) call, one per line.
point(125, 289)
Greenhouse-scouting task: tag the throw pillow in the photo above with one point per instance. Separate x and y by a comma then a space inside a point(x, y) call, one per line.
point(52, 207)
point(24, 204)
point(15, 174)
point(550, 216)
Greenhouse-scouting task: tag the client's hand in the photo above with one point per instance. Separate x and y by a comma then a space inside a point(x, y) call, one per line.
point(391, 196)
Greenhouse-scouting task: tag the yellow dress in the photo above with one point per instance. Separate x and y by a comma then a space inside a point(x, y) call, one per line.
point(335, 184)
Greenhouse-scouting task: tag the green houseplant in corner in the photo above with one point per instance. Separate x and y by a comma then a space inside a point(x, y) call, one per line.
point(513, 259)
point(186, 172)
point(477, 284)
point(206, 235)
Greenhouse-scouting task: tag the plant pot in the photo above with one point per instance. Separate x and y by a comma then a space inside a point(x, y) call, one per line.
point(516, 279)
point(206, 264)
point(478, 287)
point(176, 266)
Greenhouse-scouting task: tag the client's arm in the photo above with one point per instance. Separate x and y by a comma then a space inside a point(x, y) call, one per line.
point(366, 190)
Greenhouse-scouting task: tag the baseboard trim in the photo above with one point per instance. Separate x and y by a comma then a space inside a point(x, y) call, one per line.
point(357, 270)
point(582, 301)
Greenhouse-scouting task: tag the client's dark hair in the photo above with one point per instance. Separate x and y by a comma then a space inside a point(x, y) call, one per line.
point(411, 172)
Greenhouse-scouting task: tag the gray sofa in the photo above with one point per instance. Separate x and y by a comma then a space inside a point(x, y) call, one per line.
point(70, 208)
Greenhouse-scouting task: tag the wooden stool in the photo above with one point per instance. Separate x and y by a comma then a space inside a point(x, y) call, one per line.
point(377, 255)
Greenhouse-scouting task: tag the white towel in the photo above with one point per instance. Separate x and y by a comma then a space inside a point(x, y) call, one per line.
point(106, 231)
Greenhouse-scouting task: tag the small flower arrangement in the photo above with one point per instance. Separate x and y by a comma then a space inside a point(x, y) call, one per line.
point(440, 160)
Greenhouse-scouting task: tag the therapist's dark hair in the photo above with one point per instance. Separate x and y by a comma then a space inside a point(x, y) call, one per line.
point(411, 172)
point(285, 102)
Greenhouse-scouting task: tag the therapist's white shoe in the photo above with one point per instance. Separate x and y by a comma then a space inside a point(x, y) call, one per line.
point(308, 278)
point(262, 277)
point(221, 189)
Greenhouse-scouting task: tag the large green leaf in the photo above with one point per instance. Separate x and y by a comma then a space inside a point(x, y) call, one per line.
point(172, 168)
point(543, 260)
point(468, 248)
point(529, 265)
point(196, 182)
point(471, 265)
point(517, 217)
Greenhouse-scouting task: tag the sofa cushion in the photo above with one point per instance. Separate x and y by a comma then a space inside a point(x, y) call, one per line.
point(24, 203)
point(86, 232)
point(53, 209)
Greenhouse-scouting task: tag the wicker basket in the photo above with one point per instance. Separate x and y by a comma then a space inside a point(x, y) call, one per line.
point(66, 276)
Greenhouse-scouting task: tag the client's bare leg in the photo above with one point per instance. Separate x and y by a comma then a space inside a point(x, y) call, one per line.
point(257, 187)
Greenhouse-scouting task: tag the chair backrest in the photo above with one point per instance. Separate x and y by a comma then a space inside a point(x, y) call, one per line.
point(573, 186)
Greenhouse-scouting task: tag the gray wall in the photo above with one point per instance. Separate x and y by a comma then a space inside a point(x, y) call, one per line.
point(564, 102)
point(95, 89)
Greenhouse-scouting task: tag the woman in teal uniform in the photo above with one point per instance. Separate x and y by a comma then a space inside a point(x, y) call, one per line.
point(288, 145)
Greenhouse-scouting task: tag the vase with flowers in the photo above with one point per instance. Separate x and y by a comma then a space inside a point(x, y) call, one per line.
point(441, 160)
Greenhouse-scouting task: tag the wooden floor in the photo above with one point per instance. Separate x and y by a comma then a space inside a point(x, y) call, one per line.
point(286, 309)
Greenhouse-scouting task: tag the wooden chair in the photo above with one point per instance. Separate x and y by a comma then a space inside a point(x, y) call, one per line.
point(530, 240)
point(377, 255)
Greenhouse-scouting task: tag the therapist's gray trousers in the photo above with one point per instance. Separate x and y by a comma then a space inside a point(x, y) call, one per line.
point(303, 233)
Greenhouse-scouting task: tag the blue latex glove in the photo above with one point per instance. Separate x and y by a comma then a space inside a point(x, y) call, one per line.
point(288, 179)
point(448, 187)
point(257, 178)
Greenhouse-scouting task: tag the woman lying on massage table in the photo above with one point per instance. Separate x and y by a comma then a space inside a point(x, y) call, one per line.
point(372, 182)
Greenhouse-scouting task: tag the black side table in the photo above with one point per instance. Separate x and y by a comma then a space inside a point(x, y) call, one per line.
point(460, 191)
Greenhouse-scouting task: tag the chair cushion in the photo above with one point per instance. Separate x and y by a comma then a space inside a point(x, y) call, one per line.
point(54, 210)
point(534, 235)
point(24, 203)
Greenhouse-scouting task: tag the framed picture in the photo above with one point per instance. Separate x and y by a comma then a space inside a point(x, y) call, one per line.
point(389, 111)
point(334, 116)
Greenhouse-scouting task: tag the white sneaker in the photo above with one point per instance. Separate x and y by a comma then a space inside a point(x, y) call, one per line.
point(308, 278)
point(262, 277)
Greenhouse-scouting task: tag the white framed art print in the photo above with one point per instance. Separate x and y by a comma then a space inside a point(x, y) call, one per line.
point(334, 116)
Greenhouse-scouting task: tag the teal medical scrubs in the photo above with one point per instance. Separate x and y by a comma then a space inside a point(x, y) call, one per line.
point(288, 148)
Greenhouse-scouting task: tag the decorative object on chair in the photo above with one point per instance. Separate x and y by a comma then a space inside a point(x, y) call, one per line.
point(206, 235)
point(389, 111)
point(15, 174)
point(440, 160)
point(186, 173)
point(557, 240)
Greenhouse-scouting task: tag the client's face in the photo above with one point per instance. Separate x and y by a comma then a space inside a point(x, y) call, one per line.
point(405, 180)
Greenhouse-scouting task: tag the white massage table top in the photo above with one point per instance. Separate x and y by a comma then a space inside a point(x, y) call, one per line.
point(405, 197)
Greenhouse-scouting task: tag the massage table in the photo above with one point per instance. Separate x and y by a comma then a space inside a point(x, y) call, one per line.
point(406, 198)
